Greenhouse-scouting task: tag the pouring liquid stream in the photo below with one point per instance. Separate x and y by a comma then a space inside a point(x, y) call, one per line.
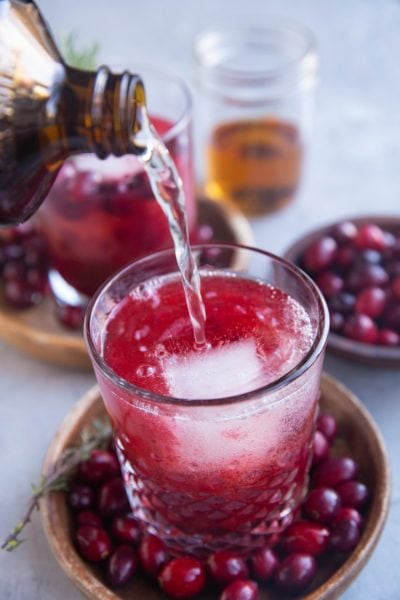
point(167, 188)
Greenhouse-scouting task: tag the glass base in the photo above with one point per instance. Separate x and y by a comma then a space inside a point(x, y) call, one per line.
point(258, 532)
point(64, 293)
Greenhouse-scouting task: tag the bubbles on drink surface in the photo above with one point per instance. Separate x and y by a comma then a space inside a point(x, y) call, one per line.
point(256, 334)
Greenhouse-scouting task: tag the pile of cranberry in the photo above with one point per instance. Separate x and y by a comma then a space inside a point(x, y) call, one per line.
point(23, 266)
point(24, 269)
point(329, 520)
point(357, 268)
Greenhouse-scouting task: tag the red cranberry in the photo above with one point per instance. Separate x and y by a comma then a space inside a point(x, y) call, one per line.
point(329, 283)
point(388, 337)
point(326, 424)
point(240, 590)
point(264, 563)
point(366, 275)
point(396, 287)
point(345, 257)
point(349, 514)
point(80, 497)
point(38, 279)
point(14, 251)
point(305, 537)
point(14, 269)
point(32, 257)
point(371, 257)
point(345, 535)
point(182, 577)
point(112, 497)
point(390, 242)
point(70, 316)
point(321, 448)
point(322, 505)
point(153, 555)
point(343, 303)
point(19, 294)
point(125, 528)
point(93, 543)
point(334, 471)
point(353, 494)
point(371, 301)
point(393, 268)
point(88, 517)
point(336, 320)
point(320, 254)
point(344, 232)
point(361, 328)
point(122, 565)
point(226, 566)
point(370, 236)
point(396, 245)
point(100, 466)
point(295, 573)
point(391, 317)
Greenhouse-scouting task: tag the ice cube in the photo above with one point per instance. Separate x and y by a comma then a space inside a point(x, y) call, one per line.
point(227, 371)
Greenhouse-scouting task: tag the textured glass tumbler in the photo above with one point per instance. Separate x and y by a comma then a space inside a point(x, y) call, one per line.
point(222, 473)
point(101, 214)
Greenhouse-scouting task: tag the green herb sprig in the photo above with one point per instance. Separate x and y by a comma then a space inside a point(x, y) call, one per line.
point(77, 56)
point(94, 437)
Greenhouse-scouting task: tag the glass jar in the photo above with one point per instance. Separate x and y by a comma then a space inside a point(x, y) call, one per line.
point(254, 112)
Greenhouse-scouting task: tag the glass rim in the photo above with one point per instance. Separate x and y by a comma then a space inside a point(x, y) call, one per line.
point(206, 42)
point(301, 367)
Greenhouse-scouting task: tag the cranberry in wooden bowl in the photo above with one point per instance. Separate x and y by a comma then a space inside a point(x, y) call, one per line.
point(356, 264)
point(316, 558)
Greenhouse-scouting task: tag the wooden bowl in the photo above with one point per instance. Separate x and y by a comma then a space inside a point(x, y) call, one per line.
point(37, 332)
point(361, 439)
point(338, 344)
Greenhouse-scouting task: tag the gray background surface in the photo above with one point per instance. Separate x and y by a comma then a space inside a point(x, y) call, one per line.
point(354, 167)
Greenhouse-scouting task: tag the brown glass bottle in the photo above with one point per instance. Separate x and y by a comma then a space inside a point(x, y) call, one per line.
point(49, 111)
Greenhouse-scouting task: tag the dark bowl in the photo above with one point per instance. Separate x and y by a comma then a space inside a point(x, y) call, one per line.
point(338, 344)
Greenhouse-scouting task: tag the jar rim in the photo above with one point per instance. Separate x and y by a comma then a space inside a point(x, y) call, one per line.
point(213, 49)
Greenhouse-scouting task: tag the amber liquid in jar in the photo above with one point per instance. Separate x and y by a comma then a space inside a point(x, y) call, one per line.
point(255, 163)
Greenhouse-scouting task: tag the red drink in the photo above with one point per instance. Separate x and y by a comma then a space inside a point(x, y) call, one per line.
point(100, 215)
point(237, 309)
point(201, 472)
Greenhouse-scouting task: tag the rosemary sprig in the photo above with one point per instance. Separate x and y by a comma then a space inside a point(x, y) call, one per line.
point(77, 56)
point(96, 436)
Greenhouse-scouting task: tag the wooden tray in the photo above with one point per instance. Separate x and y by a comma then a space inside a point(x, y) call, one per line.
point(362, 440)
point(338, 344)
point(37, 332)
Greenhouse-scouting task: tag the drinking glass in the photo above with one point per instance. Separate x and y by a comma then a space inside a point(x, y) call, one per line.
point(101, 214)
point(220, 473)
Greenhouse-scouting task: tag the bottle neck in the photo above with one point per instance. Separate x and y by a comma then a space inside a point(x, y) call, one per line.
point(107, 113)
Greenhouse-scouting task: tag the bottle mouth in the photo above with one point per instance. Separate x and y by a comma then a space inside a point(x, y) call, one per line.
point(167, 94)
point(268, 58)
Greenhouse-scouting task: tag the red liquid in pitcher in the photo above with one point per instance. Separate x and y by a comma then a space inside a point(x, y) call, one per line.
point(99, 217)
point(224, 471)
